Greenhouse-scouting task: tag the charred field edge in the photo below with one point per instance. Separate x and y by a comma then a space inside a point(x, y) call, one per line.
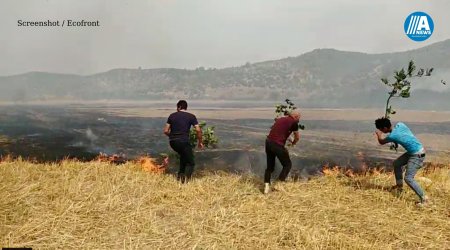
point(49, 134)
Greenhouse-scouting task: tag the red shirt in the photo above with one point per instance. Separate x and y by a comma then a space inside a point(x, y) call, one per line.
point(281, 129)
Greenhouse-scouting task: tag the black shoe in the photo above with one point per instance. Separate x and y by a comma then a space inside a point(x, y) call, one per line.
point(181, 178)
point(398, 188)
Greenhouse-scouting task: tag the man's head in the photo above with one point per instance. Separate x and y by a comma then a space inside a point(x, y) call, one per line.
point(182, 105)
point(383, 124)
point(295, 114)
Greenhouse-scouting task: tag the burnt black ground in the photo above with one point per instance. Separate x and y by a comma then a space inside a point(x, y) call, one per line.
point(45, 133)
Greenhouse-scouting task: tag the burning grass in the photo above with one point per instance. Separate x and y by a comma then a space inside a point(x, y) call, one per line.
point(147, 163)
point(102, 205)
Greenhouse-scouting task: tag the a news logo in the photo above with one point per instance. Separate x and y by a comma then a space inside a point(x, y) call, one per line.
point(419, 26)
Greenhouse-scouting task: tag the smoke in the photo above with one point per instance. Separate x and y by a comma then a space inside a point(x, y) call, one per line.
point(99, 146)
point(91, 136)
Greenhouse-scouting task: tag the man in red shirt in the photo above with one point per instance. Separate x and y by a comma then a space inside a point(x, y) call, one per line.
point(279, 134)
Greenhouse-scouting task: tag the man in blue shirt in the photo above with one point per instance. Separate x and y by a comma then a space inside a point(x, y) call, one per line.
point(413, 158)
point(177, 129)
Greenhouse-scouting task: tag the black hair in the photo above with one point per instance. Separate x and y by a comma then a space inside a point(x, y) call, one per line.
point(182, 104)
point(382, 122)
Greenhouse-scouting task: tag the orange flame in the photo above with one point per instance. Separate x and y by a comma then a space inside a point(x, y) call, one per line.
point(362, 158)
point(376, 172)
point(115, 158)
point(146, 163)
point(340, 171)
point(349, 173)
point(149, 164)
point(326, 170)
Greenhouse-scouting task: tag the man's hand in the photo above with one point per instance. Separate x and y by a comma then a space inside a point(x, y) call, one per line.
point(167, 129)
point(380, 138)
point(296, 138)
point(378, 133)
point(198, 130)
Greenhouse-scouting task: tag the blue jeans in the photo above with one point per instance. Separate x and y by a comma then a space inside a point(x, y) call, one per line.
point(413, 164)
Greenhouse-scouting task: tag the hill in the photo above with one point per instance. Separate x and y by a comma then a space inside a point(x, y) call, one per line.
point(320, 78)
point(96, 205)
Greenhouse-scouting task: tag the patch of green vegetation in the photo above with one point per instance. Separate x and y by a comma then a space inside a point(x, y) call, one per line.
point(210, 140)
point(286, 109)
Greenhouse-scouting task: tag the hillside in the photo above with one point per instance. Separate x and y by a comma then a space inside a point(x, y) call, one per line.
point(70, 205)
point(320, 78)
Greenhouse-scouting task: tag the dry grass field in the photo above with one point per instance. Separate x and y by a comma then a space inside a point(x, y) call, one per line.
point(73, 205)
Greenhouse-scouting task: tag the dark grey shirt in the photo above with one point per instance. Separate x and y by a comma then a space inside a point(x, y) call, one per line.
point(180, 124)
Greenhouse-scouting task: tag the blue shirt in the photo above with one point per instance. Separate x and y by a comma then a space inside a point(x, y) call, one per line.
point(402, 135)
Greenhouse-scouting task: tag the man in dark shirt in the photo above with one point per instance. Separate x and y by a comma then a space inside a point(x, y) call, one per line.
point(177, 128)
point(279, 134)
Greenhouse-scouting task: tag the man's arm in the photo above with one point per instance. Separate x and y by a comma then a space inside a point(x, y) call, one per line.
point(198, 130)
point(380, 138)
point(294, 130)
point(296, 137)
point(167, 129)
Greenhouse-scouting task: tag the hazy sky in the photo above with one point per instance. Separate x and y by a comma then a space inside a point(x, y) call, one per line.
point(209, 33)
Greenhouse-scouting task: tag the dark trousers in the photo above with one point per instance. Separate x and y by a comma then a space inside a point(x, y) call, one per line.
point(184, 150)
point(274, 150)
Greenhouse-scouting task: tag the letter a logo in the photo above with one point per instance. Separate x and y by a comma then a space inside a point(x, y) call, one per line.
point(423, 23)
point(419, 26)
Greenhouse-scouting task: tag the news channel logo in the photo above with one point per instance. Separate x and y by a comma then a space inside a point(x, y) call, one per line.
point(419, 26)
